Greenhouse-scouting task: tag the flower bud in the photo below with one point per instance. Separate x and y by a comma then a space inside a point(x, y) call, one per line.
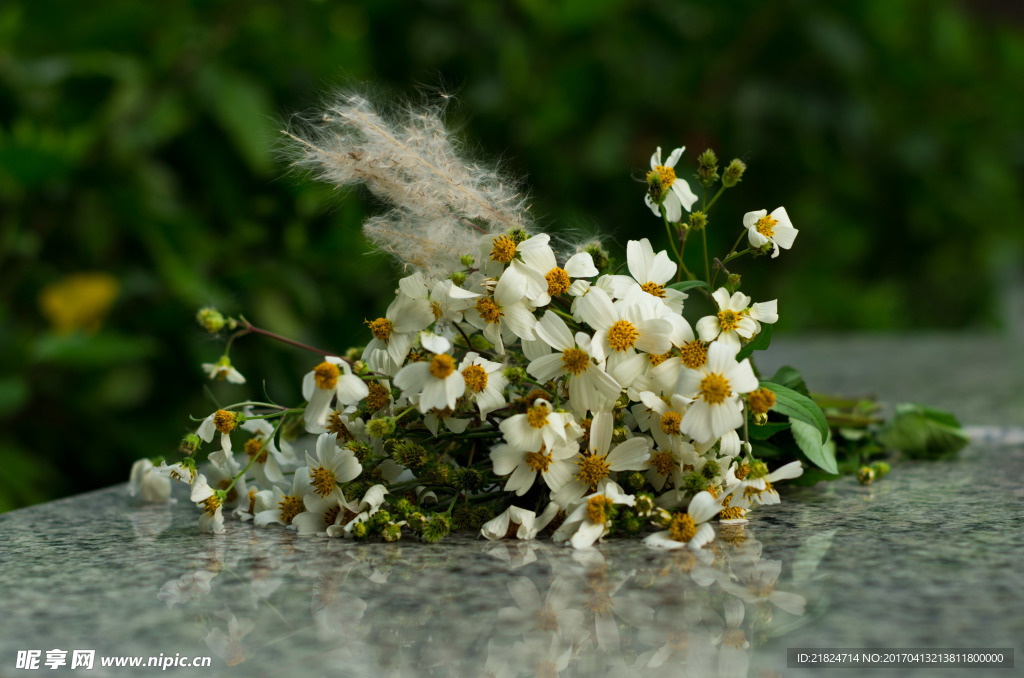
point(359, 530)
point(190, 443)
point(515, 375)
point(881, 469)
point(698, 220)
point(865, 475)
point(466, 260)
point(734, 280)
point(733, 173)
point(600, 256)
point(707, 167)
point(758, 469)
point(210, 319)
point(459, 278)
point(392, 532)
point(761, 401)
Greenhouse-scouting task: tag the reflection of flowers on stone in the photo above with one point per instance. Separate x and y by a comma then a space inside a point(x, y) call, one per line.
point(336, 613)
point(756, 584)
point(186, 587)
point(227, 643)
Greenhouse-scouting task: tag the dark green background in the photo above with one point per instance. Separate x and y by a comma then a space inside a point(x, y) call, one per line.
point(140, 139)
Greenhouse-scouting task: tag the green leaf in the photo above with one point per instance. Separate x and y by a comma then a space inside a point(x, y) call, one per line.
point(760, 343)
point(921, 431)
point(821, 452)
point(790, 377)
point(797, 406)
point(768, 430)
point(687, 285)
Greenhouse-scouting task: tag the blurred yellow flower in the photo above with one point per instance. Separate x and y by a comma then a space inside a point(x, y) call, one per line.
point(79, 301)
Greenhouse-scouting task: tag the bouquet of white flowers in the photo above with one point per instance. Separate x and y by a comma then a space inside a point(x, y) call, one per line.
point(517, 384)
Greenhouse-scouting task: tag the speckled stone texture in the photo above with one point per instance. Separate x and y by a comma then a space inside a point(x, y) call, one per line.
point(928, 557)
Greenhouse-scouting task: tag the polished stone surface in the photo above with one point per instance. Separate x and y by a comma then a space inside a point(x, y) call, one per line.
point(927, 557)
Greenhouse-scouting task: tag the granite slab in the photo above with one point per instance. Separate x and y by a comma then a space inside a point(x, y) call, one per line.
point(927, 557)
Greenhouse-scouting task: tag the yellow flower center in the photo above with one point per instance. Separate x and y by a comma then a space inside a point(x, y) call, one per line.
point(663, 463)
point(558, 281)
point(666, 176)
point(714, 388)
point(504, 249)
point(742, 471)
point(538, 461)
point(323, 480)
point(729, 320)
point(488, 310)
point(654, 289)
point(575, 361)
point(622, 335)
point(670, 423)
point(211, 504)
point(732, 513)
point(734, 638)
point(592, 469)
point(441, 366)
point(254, 447)
point(694, 354)
point(597, 507)
point(537, 416)
point(766, 225)
point(326, 375)
point(381, 328)
point(682, 527)
point(436, 309)
point(761, 401)
point(476, 378)
point(545, 619)
point(336, 424)
point(290, 507)
point(379, 396)
point(225, 421)
point(656, 360)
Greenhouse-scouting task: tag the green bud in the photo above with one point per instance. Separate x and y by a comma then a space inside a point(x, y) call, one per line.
point(865, 475)
point(436, 528)
point(631, 524)
point(707, 167)
point(619, 434)
point(404, 508)
point(881, 469)
point(518, 235)
point(378, 428)
point(660, 517)
point(644, 504)
point(464, 518)
point(210, 319)
point(600, 256)
point(698, 220)
point(758, 469)
point(416, 521)
point(734, 280)
point(634, 481)
point(483, 513)
point(407, 453)
point(392, 532)
point(190, 443)
point(459, 278)
point(359, 530)
point(467, 478)
point(711, 469)
point(733, 173)
point(361, 450)
point(514, 375)
point(466, 260)
point(360, 367)
point(694, 483)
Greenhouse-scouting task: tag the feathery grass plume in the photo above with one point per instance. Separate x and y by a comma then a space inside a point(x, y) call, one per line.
point(441, 204)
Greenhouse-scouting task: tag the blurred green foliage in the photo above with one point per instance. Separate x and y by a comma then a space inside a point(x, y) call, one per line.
point(138, 140)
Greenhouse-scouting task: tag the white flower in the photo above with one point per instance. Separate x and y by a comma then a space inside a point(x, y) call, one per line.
point(329, 380)
point(331, 466)
point(529, 524)
point(650, 273)
point(485, 382)
point(502, 319)
point(590, 387)
point(716, 386)
point(367, 506)
point(267, 468)
point(278, 507)
point(590, 520)
point(678, 195)
point(594, 469)
point(535, 274)
point(396, 333)
point(222, 370)
point(750, 491)
point(539, 425)
point(554, 465)
point(623, 329)
point(731, 322)
point(437, 383)
point(144, 482)
point(203, 495)
point(775, 228)
point(690, 528)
